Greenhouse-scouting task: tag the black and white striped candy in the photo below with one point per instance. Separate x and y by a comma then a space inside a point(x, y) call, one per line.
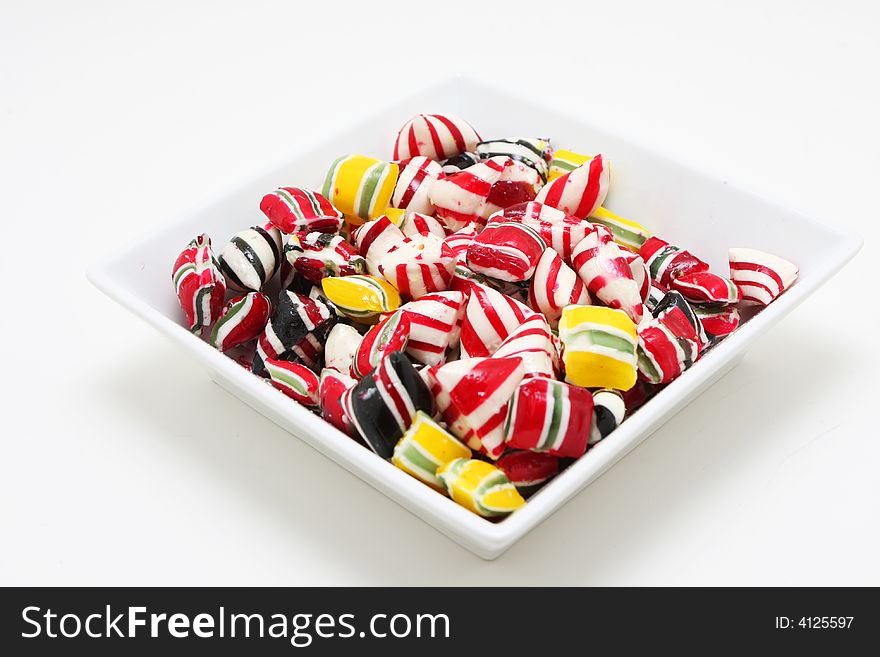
point(250, 258)
point(532, 152)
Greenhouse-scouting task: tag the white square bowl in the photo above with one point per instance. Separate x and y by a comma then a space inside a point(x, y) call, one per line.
point(702, 212)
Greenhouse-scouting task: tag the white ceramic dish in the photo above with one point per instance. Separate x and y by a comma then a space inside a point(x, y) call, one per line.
point(705, 213)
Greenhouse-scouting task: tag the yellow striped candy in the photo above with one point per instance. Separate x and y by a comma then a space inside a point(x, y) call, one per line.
point(425, 447)
point(626, 232)
point(480, 487)
point(360, 187)
point(361, 297)
point(600, 347)
point(564, 161)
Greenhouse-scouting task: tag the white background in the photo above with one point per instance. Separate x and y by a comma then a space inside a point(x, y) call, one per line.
point(123, 464)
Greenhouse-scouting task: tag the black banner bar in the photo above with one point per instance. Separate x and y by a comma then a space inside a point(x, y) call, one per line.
point(518, 621)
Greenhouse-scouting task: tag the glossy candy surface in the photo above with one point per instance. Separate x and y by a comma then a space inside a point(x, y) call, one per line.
point(243, 320)
point(412, 191)
point(437, 136)
point(554, 286)
point(419, 265)
point(760, 276)
point(199, 285)
point(426, 447)
point(580, 191)
point(599, 347)
point(506, 251)
point(361, 298)
point(480, 487)
point(318, 255)
point(360, 186)
point(251, 258)
point(550, 416)
point(298, 210)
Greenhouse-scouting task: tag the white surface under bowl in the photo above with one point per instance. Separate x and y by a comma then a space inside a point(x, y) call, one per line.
point(685, 206)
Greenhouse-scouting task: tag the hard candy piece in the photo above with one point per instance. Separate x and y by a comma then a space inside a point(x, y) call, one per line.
point(419, 265)
point(528, 471)
point(472, 396)
point(489, 318)
point(580, 191)
point(437, 136)
point(717, 322)
point(518, 183)
point(361, 298)
point(411, 193)
point(507, 251)
point(533, 152)
point(602, 266)
point(243, 320)
point(480, 487)
point(460, 242)
point(199, 284)
point(609, 410)
point(333, 389)
point(415, 223)
point(666, 262)
point(564, 161)
point(318, 255)
point(655, 294)
point(760, 276)
point(390, 334)
point(554, 286)
point(550, 416)
point(435, 325)
point(456, 163)
point(342, 344)
point(375, 239)
point(560, 231)
point(599, 347)
point(297, 210)
point(627, 233)
point(296, 381)
point(460, 198)
point(662, 354)
point(360, 186)
point(425, 447)
point(251, 258)
point(679, 316)
point(298, 329)
point(384, 403)
point(640, 273)
point(532, 342)
point(706, 287)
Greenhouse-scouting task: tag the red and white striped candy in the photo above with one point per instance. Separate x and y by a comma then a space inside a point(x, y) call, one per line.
point(760, 276)
point(460, 198)
point(460, 241)
point(707, 287)
point(437, 136)
point(199, 284)
point(419, 265)
point(473, 396)
point(507, 251)
point(414, 181)
point(717, 322)
point(640, 272)
point(390, 334)
point(243, 320)
point(561, 231)
point(489, 318)
point(519, 183)
point(602, 265)
point(527, 470)
point(580, 191)
point(532, 342)
point(663, 355)
point(550, 416)
point(297, 210)
point(332, 389)
point(554, 286)
point(435, 325)
point(296, 381)
point(375, 239)
point(318, 255)
point(666, 262)
point(416, 223)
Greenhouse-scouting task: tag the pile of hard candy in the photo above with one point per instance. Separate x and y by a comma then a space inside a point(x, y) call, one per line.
point(470, 310)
